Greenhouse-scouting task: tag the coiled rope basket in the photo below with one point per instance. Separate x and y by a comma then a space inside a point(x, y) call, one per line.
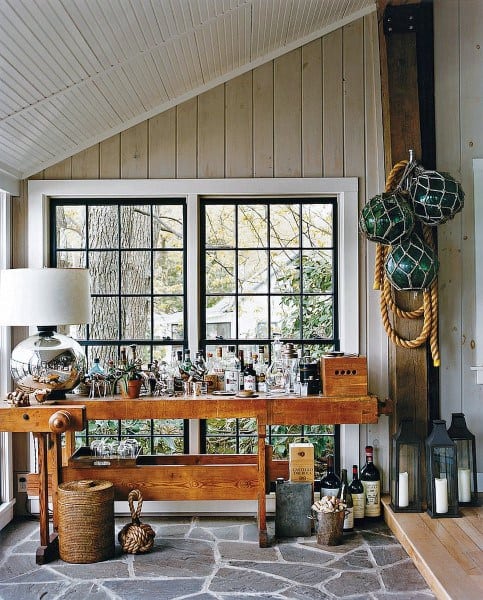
point(136, 537)
point(86, 521)
point(429, 308)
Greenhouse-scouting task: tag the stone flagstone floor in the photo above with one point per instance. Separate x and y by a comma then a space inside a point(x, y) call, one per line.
point(204, 558)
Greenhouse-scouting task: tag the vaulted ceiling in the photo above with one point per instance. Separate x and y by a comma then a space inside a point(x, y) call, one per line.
point(74, 72)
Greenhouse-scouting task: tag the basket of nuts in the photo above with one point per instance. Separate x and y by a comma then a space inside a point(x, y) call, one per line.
point(329, 513)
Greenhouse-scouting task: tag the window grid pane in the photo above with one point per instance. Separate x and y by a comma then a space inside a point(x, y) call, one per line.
point(272, 267)
point(134, 250)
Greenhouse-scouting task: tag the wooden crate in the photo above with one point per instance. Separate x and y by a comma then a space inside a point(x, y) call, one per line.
point(344, 375)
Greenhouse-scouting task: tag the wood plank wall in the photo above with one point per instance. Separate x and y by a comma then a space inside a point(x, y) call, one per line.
point(458, 28)
point(313, 112)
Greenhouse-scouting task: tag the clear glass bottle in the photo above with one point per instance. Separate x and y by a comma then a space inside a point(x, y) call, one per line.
point(96, 369)
point(371, 481)
point(260, 367)
point(330, 482)
point(290, 361)
point(345, 495)
point(357, 491)
point(276, 376)
point(232, 371)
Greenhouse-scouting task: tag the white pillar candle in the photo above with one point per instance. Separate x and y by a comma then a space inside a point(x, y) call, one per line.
point(464, 485)
point(441, 489)
point(403, 499)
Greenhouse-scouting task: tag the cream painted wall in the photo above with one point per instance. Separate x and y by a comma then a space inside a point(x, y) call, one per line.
point(459, 139)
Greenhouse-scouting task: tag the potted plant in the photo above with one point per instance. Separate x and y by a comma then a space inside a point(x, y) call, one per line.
point(131, 377)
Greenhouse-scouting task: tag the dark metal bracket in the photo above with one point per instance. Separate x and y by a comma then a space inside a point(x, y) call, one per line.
point(404, 18)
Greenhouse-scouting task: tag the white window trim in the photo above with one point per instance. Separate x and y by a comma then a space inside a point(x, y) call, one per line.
point(344, 189)
point(6, 475)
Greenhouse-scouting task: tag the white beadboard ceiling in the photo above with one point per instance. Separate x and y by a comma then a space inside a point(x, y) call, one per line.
point(74, 72)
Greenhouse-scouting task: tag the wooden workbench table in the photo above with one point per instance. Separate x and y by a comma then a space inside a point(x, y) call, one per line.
point(192, 477)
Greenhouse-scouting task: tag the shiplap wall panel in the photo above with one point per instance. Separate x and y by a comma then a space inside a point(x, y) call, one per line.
point(110, 158)
point(211, 134)
point(353, 95)
point(187, 139)
point(263, 121)
point(238, 127)
point(287, 132)
point(373, 336)
point(85, 164)
point(62, 170)
point(134, 152)
point(312, 109)
point(162, 141)
point(450, 274)
point(332, 102)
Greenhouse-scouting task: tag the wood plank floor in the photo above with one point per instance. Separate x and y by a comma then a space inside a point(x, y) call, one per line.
point(448, 552)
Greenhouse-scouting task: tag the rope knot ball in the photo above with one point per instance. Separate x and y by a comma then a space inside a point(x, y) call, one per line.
point(136, 537)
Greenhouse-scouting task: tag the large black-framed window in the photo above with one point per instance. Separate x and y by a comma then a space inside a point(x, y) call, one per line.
point(268, 265)
point(135, 252)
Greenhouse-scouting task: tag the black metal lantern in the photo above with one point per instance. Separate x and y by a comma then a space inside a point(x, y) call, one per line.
point(406, 469)
point(441, 472)
point(466, 465)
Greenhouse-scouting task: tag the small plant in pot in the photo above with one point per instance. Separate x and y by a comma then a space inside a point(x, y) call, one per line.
point(131, 375)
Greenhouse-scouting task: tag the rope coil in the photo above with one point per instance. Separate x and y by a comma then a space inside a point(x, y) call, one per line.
point(136, 537)
point(429, 308)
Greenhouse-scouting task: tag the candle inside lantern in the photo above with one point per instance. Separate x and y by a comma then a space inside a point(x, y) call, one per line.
point(464, 485)
point(403, 500)
point(441, 489)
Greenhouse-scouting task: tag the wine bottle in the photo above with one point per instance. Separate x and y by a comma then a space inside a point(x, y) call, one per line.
point(357, 492)
point(330, 482)
point(371, 481)
point(249, 375)
point(345, 495)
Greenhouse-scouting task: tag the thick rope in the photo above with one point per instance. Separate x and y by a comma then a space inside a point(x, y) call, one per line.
point(428, 310)
point(136, 537)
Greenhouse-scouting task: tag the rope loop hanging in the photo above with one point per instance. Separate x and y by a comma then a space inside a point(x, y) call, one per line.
point(429, 308)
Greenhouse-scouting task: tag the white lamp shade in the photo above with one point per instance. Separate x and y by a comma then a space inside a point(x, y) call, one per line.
point(44, 297)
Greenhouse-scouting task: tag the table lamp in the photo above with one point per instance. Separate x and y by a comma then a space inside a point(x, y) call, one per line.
point(46, 298)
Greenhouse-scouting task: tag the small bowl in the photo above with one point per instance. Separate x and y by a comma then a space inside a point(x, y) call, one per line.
point(246, 393)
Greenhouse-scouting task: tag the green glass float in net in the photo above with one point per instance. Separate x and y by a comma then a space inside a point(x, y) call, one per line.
point(387, 218)
point(411, 265)
point(436, 197)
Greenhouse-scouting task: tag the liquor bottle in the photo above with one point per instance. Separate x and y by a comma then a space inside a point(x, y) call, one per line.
point(345, 495)
point(330, 482)
point(249, 375)
point(241, 358)
point(232, 371)
point(260, 370)
point(357, 491)
point(198, 370)
point(218, 369)
point(187, 365)
point(371, 481)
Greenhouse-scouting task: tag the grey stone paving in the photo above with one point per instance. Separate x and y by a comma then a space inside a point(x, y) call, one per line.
point(216, 559)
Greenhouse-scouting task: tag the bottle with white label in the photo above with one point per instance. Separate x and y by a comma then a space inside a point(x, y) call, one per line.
point(357, 492)
point(232, 371)
point(249, 375)
point(371, 481)
point(330, 483)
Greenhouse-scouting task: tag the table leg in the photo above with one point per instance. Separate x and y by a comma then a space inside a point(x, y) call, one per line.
point(262, 507)
point(48, 549)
